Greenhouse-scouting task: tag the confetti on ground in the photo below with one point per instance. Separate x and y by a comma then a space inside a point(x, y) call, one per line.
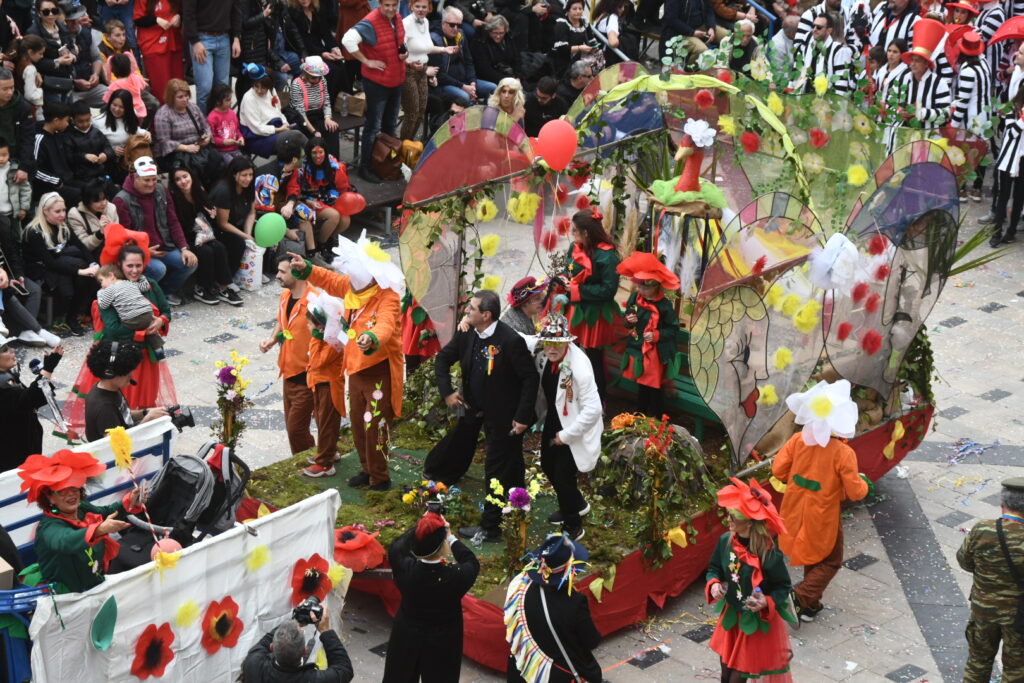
point(964, 284)
point(963, 448)
point(240, 323)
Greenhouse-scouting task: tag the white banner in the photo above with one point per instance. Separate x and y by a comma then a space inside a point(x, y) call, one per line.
point(212, 570)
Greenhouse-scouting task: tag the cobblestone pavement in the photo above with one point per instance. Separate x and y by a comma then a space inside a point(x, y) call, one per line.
point(896, 613)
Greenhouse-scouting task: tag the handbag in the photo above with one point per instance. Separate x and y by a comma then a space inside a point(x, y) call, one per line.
point(58, 84)
point(1018, 620)
point(386, 159)
point(204, 233)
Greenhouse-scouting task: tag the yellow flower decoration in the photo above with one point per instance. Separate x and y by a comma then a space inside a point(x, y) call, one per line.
point(258, 557)
point(759, 69)
point(856, 175)
point(862, 124)
point(186, 614)
point(351, 334)
point(523, 207)
point(374, 251)
point(408, 498)
point(940, 141)
point(491, 282)
point(773, 299)
point(783, 357)
point(486, 211)
point(775, 104)
point(489, 244)
point(790, 304)
point(956, 156)
point(768, 396)
point(807, 318)
point(497, 487)
point(534, 488)
point(338, 573)
point(813, 163)
point(821, 84)
point(163, 561)
point(121, 445)
point(727, 124)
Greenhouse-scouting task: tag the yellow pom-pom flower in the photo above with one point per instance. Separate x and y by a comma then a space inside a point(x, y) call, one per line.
point(408, 498)
point(489, 244)
point(121, 445)
point(523, 207)
point(337, 573)
point(821, 84)
point(768, 396)
point(497, 487)
point(856, 175)
point(790, 304)
point(807, 318)
point(486, 210)
point(783, 357)
point(727, 124)
point(491, 282)
point(775, 104)
point(374, 251)
point(773, 299)
point(186, 614)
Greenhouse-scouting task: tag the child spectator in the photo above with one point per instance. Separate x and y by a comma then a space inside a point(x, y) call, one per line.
point(227, 133)
point(87, 148)
point(30, 50)
point(15, 198)
point(53, 172)
point(127, 79)
point(118, 122)
point(115, 42)
point(134, 310)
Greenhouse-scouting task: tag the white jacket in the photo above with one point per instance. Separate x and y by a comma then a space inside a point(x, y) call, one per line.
point(581, 416)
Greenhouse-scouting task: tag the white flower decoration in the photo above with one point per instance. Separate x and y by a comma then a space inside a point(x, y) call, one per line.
point(824, 410)
point(702, 134)
point(836, 265)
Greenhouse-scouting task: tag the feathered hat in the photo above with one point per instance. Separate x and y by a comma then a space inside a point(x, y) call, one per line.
point(524, 289)
point(557, 560)
point(554, 327)
point(364, 260)
point(64, 469)
point(643, 265)
point(753, 502)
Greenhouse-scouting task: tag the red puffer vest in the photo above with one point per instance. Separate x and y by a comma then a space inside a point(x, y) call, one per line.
point(386, 50)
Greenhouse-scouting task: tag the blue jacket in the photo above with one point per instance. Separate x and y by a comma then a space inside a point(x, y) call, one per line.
point(457, 69)
point(683, 17)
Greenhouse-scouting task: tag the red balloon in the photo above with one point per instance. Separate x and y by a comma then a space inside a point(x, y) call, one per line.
point(557, 143)
point(350, 203)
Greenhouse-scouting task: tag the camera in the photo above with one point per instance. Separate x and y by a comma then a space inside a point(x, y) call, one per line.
point(307, 609)
point(181, 417)
point(436, 506)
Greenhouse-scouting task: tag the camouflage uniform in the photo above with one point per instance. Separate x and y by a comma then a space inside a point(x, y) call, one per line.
point(994, 597)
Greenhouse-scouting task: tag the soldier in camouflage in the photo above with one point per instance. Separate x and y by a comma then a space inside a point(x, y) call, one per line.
point(995, 595)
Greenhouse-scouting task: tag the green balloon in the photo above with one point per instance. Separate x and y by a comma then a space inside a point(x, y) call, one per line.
point(269, 230)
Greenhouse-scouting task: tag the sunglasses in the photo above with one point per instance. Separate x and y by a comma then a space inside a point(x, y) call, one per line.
point(452, 25)
point(49, 12)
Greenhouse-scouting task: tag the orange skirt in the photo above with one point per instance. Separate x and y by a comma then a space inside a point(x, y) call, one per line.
point(759, 655)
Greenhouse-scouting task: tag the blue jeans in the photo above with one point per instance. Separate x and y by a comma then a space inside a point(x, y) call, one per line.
point(216, 68)
point(121, 12)
point(483, 91)
point(381, 114)
point(170, 271)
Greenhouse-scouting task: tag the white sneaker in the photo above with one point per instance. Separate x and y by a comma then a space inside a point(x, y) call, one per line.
point(31, 338)
point(49, 337)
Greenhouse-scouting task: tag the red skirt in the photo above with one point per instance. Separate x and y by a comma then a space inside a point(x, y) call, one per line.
point(764, 655)
point(654, 371)
point(599, 333)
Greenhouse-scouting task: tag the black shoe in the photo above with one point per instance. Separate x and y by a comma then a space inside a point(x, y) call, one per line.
point(472, 531)
point(1009, 238)
point(557, 518)
point(369, 176)
point(206, 296)
point(808, 614)
point(997, 237)
point(574, 534)
point(74, 327)
point(381, 486)
point(159, 354)
point(230, 296)
point(361, 479)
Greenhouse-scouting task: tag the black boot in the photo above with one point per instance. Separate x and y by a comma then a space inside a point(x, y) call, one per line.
point(1010, 237)
point(997, 236)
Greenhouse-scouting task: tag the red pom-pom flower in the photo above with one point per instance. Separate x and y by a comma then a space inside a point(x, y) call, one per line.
point(562, 225)
point(882, 272)
point(549, 240)
point(843, 333)
point(751, 142)
point(878, 245)
point(860, 290)
point(725, 76)
point(309, 577)
point(819, 138)
point(704, 99)
point(561, 194)
point(871, 342)
point(873, 303)
point(582, 202)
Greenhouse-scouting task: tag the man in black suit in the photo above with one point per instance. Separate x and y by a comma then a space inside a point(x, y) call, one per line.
point(499, 390)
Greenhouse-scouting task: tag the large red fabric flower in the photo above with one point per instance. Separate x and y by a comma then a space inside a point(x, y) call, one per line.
point(819, 138)
point(871, 342)
point(704, 99)
point(63, 470)
point(356, 549)
point(580, 174)
point(751, 142)
point(309, 577)
point(221, 625)
point(153, 651)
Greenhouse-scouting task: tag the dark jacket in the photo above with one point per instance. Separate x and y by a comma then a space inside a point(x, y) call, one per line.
point(42, 262)
point(258, 33)
point(511, 388)
point(538, 114)
point(78, 144)
point(494, 61)
point(567, 37)
point(18, 127)
point(23, 435)
point(83, 66)
point(47, 66)
point(52, 167)
point(259, 665)
point(457, 69)
point(317, 35)
point(203, 16)
point(683, 17)
point(570, 615)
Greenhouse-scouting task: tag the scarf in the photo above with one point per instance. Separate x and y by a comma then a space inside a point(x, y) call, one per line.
point(748, 558)
point(110, 546)
point(354, 301)
point(652, 324)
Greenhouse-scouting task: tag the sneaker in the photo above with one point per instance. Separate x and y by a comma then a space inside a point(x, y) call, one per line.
point(74, 327)
point(229, 296)
point(49, 337)
point(574, 534)
point(976, 195)
point(61, 328)
point(380, 485)
point(31, 338)
point(988, 218)
point(174, 299)
point(206, 296)
point(808, 614)
point(312, 460)
point(556, 516)
point(474, 531)
point(361, 479)
point(316, 471)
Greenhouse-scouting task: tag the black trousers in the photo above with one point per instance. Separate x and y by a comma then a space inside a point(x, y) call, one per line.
point(214, 265)
point(650, 401)
point(596, 356)
point(1008, 186)
point(235, 248)
point(560, 469)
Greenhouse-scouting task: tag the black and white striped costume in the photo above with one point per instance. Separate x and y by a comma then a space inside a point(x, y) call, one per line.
point(884, 80)
point(929, 98)
point(885, 29)
point(805, 28)
point(992, 16)
point(825, 58)
point(972, 96)
point(1013, 8)
point(1010, 148)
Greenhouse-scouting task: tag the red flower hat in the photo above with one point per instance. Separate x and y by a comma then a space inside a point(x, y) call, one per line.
point(153, 651)
point(753, 502)
point(356, 549)
point(309, 577)
point(644, 265)
point(221, 625)
point(116, 236)
point(63, 470)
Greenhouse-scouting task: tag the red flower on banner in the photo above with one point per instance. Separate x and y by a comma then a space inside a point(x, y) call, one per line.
point(871, 342)
point(860, 290)
point(878, 245)
point(582, 202)
point(549, 240)
point(873, 303)
point(221, 625)
point(153, 651)
point(819, 138)
point(725, 76)
point(356, 549)
point(561, 194)
point(759, 265)
point(309, 577)
point(562, 225)
point(751, 142)
point(843, 333)
point(704, 99)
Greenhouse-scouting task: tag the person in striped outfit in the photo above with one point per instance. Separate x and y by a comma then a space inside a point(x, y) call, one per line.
point(823, 56)
point(1010, 182)
point(972, 94)
point(804, 28)
point(894, 19)
point(922, 97)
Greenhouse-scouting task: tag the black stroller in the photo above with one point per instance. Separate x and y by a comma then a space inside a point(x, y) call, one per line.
point(191, 497)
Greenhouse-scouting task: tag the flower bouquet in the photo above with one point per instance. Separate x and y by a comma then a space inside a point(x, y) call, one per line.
point(231, 400)
point(515, 520)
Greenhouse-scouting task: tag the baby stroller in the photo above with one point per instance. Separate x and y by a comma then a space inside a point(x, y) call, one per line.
point(191, 497)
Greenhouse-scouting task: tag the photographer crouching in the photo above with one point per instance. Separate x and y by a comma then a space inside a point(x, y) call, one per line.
point(113, 363)
point(279, 656)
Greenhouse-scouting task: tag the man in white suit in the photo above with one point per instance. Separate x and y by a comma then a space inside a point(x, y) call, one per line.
point(569, 407)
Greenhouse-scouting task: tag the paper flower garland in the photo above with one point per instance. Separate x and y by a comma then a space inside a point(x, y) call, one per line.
point(153, 651)
point(523, 207)
point(835, 265)
point(221, 625)
point(856, 175)
point(489, 245)
point(823, 410)
point(310, 577)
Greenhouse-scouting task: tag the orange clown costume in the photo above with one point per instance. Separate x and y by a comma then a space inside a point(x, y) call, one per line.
point(371, 287)
point(819, 472)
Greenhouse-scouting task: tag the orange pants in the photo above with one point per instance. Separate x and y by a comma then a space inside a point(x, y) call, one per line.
point(371, 444)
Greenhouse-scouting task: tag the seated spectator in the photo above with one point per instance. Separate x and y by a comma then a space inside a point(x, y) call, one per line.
point(695, 21)
point(223, 122)
point(509, 98)
point(180, 133)
point(318, 183)
point(61, 51)
point(475, 14)
point(579, 77)
point(56, 258)
point(115, 42)
point(92, 215)
point(543, 105)
point(533, 25)
point(234, 198)
point(310, 98)
point(574, 41)
point(495, 56)
point(258, 47)
point(612, 16)
point(126, 78)
point(729, 12)
point(86, 146)
point(158, 32)
point(282, 167)
point(197, 215)
point(144, 205)
point(740, 47)
point(30, 51)
point(88, 67)
point(260, 117)
point(782, 49)
point(456, 75)
point(53, 171)
point(118, 122)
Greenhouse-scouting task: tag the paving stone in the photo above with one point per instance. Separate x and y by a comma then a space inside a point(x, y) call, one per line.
point(995, 395)
point(858, 562)
point(952, 413)
point(907, 673)
point(700, 634)
point(220, 338)
point(992, 307)
point(648, 659)
point(995, 499)
point(952, 322)
point(953, 519)
point(267, 324)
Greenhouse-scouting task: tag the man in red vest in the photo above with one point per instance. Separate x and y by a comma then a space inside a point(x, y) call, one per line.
point(378, 42)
